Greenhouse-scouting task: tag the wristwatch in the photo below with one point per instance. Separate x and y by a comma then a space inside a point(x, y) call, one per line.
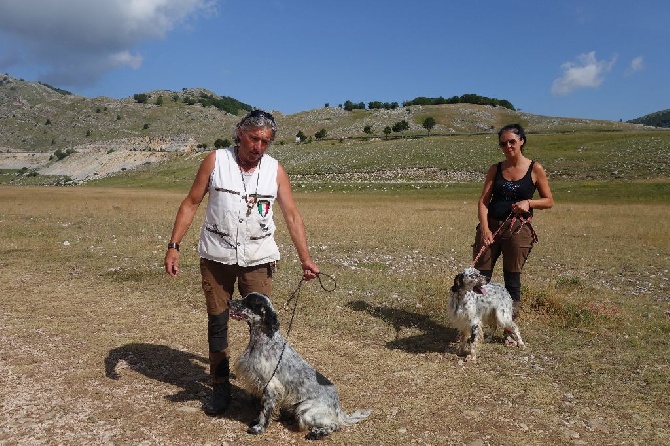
point(173, 246)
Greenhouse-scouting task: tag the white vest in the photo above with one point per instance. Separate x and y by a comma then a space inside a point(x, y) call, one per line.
point(233, 232)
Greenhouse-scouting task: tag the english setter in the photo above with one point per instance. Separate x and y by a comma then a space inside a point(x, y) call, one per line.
point(474, 302)
point(272, 369)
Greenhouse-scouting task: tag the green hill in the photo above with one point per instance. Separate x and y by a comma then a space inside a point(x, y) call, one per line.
point(656, 119)
point(49, 136)
point(38, 118)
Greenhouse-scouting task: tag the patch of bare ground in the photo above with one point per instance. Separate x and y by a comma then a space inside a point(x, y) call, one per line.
point(97, 160)
point(100, 347)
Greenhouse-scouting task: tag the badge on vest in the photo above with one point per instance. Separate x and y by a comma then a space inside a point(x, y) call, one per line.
point(263, 207)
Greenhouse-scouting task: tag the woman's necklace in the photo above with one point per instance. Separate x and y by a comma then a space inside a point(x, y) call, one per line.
point(250, 199)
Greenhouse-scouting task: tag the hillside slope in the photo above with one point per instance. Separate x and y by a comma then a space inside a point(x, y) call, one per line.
point(108, 135)
point(657, 119)
point(36, 118)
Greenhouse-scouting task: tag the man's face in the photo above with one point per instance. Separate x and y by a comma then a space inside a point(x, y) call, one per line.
point(253, 144)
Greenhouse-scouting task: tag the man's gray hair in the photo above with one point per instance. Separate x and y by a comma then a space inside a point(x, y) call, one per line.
point(256, 118)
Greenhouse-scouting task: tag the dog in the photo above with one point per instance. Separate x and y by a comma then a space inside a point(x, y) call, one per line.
point(271, 369)
point(474, 302)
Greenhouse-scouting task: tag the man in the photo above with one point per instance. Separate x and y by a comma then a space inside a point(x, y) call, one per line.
point(237, 238)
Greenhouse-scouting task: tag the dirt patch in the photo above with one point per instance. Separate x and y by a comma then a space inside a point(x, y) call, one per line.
point(19, 160)
point(97, 160)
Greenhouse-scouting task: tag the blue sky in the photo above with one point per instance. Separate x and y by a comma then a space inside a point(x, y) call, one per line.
point(600, 59)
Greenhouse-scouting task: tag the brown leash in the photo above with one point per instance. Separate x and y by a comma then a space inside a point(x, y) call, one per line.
point(516, 231)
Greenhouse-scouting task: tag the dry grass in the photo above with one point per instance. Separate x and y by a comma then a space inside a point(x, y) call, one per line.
point(99, 346)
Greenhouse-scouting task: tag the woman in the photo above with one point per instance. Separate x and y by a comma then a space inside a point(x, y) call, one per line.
point(237, 242)
point(505, 209)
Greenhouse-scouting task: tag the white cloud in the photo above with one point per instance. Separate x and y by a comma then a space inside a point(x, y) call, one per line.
point(586, 72)
point(637, 64)
point(75, 42)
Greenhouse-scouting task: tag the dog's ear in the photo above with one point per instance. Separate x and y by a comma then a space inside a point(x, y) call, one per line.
point(270, 320)
point(458, 282)
point(261, 305)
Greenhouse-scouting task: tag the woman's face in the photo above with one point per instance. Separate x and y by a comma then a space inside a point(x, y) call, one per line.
point(510, 143)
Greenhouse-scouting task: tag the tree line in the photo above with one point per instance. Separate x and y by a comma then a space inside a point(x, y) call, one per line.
point(422, 100)
point(223, 103)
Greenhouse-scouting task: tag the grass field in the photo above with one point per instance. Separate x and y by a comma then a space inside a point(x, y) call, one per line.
point(99, 346)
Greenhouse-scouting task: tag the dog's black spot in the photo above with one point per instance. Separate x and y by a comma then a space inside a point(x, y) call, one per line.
point(260, 305)
point(322, 380)
point(458, 282)
point(256, 302)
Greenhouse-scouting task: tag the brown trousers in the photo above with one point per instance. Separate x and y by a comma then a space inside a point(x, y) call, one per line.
point(218, 284)
point(514, 243)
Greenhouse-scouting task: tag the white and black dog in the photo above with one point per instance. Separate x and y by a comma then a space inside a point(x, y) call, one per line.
point(273, 370)
point(472, 303)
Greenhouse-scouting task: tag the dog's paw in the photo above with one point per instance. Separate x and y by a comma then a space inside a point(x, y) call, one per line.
point(510, 342)
point(317, 433)
point(256, 429)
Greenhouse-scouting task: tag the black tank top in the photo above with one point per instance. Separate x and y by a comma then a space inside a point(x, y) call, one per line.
point(506, 192)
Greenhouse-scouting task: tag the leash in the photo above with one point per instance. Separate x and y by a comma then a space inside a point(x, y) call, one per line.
point(484, 245)
point(522, 220)
point(294, 297)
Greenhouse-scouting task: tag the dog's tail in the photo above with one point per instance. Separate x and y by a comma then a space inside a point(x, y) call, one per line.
point(354, 417)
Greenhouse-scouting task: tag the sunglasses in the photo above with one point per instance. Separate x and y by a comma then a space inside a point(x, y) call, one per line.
point(512, 142)
point(260, 114)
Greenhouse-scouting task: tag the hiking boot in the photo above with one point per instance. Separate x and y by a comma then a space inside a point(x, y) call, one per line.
point(220, 398)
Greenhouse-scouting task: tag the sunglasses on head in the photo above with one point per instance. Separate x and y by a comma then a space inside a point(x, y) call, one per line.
point(260, 114)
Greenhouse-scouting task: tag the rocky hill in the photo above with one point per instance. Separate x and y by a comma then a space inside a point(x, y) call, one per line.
point(104, 135)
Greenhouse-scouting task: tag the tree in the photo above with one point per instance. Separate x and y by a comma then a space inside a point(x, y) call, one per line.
point(376, 105)
point(367, 130)
point(320, 134)
point(141, 98)
point(429, 123)
point(59, 154)
point(400, 126)
point(300, 136)
point(219, 143)
point(349, 106)
point(387, 131)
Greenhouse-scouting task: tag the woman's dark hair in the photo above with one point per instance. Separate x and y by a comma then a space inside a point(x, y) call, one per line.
point(514, 128)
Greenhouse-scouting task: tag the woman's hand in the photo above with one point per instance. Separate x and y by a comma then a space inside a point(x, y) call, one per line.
point(487, 236)
point(521, 207)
